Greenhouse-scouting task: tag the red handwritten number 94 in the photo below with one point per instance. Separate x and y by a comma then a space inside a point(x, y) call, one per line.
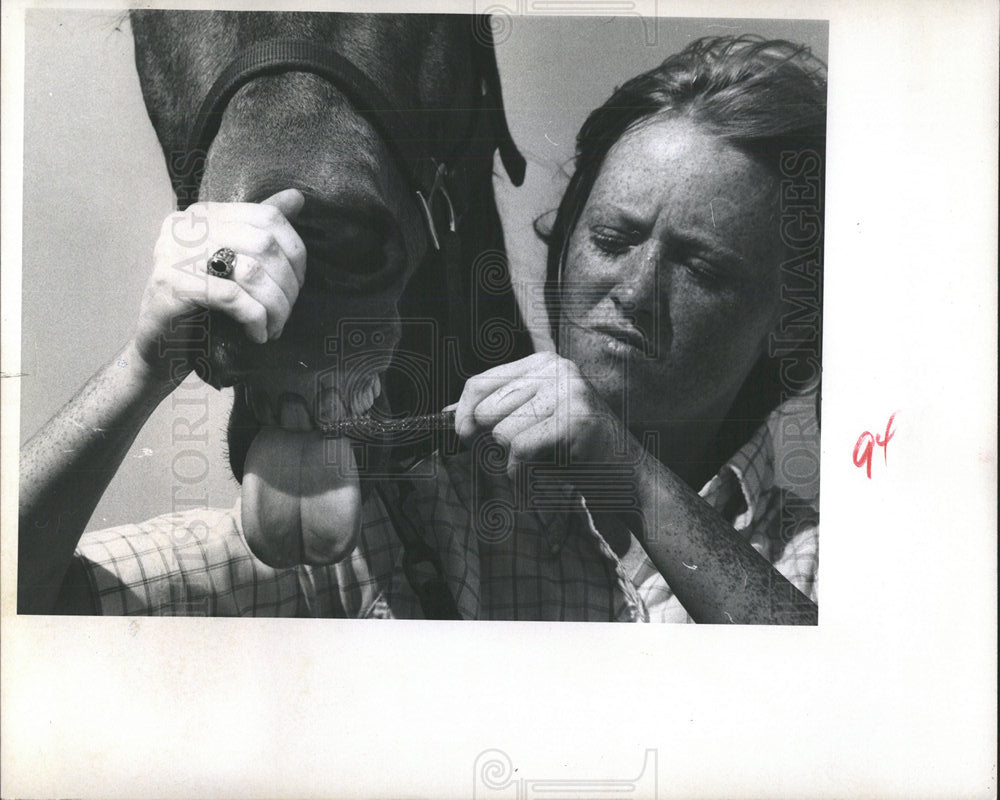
point(866, 444)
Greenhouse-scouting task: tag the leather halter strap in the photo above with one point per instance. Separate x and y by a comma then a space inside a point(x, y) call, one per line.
point(401, 129)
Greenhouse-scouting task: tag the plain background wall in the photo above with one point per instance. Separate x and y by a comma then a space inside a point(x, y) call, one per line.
point(96, 190)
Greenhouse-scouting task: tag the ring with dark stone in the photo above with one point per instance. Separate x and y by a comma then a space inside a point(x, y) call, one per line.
point(222, 262)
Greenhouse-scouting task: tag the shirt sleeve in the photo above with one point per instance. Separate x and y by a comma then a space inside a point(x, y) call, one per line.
point(193, 563)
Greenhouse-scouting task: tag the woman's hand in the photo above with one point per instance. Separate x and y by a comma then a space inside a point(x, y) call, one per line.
point(544, 411)
point(268, 273)
point(68, 464)
point(542, 405)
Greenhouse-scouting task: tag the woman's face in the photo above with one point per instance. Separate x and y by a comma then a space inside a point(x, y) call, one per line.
point(671, 280)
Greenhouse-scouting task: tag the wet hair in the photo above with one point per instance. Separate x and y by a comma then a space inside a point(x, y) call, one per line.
point(767, 98)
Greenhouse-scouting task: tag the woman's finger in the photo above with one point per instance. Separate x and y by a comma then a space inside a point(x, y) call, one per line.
point(532, 443)
point(479, 387)
point(218, 294)
point(528, 415)
point(272, 216)
point(289, 203)
point(253, 277)
point(506, 400)
point(260, 244)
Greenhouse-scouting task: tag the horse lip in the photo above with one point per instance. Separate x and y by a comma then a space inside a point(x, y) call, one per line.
point(372, 457)
point(219, 376)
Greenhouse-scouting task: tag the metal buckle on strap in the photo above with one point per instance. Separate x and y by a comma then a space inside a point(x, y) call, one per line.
point(426, 203)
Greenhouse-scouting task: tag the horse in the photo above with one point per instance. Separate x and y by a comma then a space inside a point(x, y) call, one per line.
point(389, 125)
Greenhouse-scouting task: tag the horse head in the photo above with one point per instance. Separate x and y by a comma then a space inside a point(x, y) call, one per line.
point(388, 124)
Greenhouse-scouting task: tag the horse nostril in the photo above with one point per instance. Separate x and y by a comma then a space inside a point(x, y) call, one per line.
point(356, 250)
point(350, 245)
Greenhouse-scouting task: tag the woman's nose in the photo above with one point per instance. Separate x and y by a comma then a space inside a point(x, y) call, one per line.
point(638, 289)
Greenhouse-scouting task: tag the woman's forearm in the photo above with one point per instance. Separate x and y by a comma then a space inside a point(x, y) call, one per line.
point(716, 574)
point(66, 467)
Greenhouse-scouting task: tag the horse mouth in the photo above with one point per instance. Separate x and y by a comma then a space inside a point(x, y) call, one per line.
point(300, 483)
point(313, 404)
point(297, 403)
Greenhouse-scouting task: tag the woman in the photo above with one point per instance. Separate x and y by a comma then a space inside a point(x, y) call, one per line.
point(665, 286)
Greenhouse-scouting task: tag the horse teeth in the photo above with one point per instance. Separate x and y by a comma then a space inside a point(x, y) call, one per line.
point(294, 413)
point(354, 404)
point(363, 400)
point(332, 401)
point(329, 382)
point(331, 406)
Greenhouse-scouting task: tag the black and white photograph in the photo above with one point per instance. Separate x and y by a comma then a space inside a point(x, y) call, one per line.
point(624, 426)
point(515, 314)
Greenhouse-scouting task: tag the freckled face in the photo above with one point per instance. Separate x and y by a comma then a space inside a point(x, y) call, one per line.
point(671, 281)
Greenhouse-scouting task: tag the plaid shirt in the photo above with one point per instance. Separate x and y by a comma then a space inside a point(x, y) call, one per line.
point(500, 561)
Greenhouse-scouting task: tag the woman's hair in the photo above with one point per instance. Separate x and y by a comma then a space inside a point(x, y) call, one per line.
point(766, 98)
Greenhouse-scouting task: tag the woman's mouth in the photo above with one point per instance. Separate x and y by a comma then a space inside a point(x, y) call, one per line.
point(617, 339)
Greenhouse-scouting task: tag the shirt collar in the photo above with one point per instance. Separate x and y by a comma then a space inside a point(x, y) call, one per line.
point(555, 518)
point(739, 489)
point(790, 431)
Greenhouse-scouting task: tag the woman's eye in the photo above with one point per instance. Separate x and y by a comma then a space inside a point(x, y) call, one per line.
point(704, 273)
point(611, 241)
